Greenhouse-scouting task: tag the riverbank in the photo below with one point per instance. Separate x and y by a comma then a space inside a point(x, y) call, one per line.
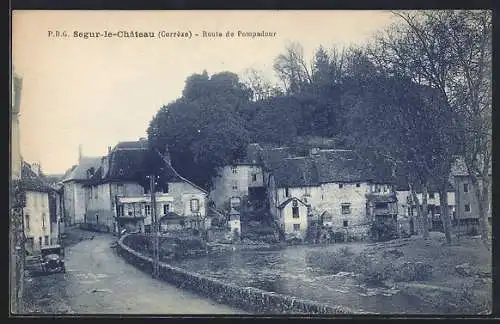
point(453, 278)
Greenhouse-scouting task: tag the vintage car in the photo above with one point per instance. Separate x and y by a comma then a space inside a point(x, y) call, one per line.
point(52, 259)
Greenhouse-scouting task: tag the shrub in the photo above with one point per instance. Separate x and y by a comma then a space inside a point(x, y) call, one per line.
point(472, 231)
point(345, 251)
point(383, 231)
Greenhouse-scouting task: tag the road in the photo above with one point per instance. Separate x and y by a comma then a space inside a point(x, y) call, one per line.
point(98, 281)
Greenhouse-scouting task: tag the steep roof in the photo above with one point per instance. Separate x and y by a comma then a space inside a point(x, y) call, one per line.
point(128, 162)
point(79, 172)
point(286, 202)
point(273, 157)
point(342, 166)
point(33, 182)
point(296, 172)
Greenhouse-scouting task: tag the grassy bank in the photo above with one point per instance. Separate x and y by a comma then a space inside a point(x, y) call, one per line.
point(455, 278)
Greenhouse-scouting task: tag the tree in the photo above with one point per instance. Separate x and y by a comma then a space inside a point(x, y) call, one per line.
point(450, 51)
point(262, 88)
point(203, 129)
point(292, 69)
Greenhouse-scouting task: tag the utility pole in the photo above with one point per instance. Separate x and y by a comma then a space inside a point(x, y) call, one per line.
point(154, 226)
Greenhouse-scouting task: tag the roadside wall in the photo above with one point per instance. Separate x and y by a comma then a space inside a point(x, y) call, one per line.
point(245, 298)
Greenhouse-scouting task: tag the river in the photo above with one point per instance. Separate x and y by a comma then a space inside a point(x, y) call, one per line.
point(292, 272)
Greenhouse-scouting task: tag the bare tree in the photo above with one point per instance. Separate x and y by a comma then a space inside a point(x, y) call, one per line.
point(262, 88)
point(292, 69)
point(449, 51)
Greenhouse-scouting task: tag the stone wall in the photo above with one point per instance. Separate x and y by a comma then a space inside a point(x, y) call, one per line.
point(245, 298)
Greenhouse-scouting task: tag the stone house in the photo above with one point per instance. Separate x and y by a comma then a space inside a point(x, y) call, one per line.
point(407, 208)
point(333, 184)
point(74, 192)
point(467, 205)
point(118, 193)
point(37, 211)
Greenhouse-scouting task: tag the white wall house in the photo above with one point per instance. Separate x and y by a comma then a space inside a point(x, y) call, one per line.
point(118, 196)
point(74, 191)
point(235, 181)
point(37, 222)
point(334, 183)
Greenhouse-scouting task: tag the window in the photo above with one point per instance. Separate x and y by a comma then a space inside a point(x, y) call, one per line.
point(27, 221)
point(43, 220)
point(254, 177)
point(235, 185)
point(466, 187)
point(91, 194)
point(341, 185)
point(96, 192)
point(120, 189)
point(346, 208)
point(147, 209)
point(130, 210)
point(120, 211)
point(295, 212)
point(296, 227)
point(235, 202)
point(47, 242)
point(467, 208)
point(431, 195)
point(166, 208)
point(40, 241)
point(287, 192)
point(234, 169)
point(97, 218)
point(346, 223)
point(165, 188)
point(195, 205)
point(358, 185)
point(381, 205)
point(30, 242)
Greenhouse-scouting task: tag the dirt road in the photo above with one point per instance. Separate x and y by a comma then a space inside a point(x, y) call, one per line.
point(98, 281)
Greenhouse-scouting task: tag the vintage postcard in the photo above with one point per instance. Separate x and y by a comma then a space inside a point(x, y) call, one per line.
point(251, 162)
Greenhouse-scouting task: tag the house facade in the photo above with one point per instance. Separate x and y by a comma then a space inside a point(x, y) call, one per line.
point(37, 211)
point(118, 194)
point(333, 184)
point(467, 204)
point(407, 212)
point(241, 179)
point(74, 191)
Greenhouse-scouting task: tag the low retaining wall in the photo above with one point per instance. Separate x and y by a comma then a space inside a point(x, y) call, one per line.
point(245, 298)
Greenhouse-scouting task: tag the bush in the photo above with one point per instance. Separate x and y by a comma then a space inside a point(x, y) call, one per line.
point(345, 251)
point(383, 231)
point(472, 231)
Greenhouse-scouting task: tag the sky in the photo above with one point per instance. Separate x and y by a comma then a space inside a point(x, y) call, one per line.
point(97, 92)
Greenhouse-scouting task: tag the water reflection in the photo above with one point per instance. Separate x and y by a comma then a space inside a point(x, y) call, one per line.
point(293, 272)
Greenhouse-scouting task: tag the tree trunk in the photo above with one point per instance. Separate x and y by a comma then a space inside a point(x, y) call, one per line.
point(421, 224)
point(481, 190)
point(445, 215)
point(425, 219)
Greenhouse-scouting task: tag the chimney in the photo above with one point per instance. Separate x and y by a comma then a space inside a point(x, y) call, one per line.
point(35, 167)
point(79, 153)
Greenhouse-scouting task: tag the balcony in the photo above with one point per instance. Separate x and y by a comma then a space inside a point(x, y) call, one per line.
point(146, 198)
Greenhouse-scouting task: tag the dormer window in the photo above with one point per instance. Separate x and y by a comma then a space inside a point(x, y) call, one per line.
point(234, 169)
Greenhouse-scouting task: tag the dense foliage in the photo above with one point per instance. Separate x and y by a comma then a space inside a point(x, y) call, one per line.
point(389, 100)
